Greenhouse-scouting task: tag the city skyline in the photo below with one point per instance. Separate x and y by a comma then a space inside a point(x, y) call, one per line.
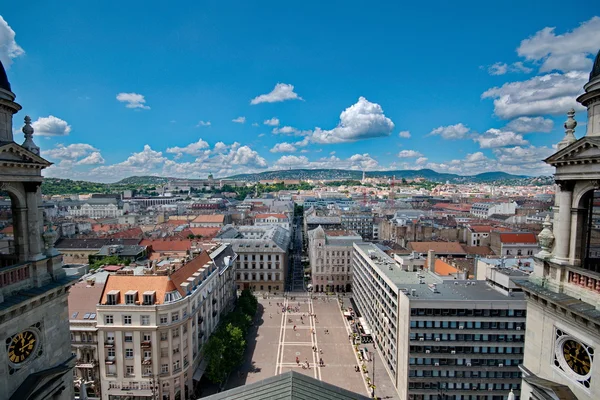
point(188, 91)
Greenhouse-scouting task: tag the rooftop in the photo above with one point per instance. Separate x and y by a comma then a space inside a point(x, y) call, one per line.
point(427, 286)
point(209, 218)
point(524, 237)
point(83, 299)
point(438, 247)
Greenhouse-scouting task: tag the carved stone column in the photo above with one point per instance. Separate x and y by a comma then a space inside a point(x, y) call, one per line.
point(33, 220)
point(562, 227)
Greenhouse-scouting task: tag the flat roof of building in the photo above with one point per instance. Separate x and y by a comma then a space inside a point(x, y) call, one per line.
point(428, 286)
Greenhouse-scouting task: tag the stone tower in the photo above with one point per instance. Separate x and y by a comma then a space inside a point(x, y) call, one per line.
point(35, 348)
point(562, 344)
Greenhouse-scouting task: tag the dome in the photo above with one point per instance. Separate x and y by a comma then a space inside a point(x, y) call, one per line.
point(4, 83)
point(595, 69)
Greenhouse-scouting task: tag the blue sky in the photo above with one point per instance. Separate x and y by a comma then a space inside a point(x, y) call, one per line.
point(131, 88)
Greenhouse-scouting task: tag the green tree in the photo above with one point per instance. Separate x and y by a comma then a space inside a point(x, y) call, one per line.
point(248, 303)
point(214, 351)
point(235, 344)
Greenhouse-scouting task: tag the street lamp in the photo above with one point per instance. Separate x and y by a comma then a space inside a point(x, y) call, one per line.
point(154, 382)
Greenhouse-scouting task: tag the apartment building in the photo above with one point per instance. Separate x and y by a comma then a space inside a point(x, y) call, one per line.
point(330, 255)
point(455, 338)
point(272, 219)
point(97, 208)
point(151, 327)
point(486, 210)
point(262, 251)
point(83, 298)
point(359, 221)
point(512, 244)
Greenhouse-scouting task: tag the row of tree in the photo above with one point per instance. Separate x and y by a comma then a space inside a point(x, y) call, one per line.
point(224, 350)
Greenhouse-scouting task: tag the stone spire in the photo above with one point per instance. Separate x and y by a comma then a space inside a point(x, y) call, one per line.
point(28, 131)
point(570, 125)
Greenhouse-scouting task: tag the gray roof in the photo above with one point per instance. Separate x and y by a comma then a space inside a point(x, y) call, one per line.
point(446, 289)
point(92, 244)
point(289, 385)
point(255, 239)
point(121, 250)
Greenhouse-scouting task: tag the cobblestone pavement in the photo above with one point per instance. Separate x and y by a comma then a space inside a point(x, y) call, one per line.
point(274, 345)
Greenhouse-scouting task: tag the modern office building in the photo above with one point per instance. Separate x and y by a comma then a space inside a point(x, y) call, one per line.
point(152, 327)
point(563, 317)
point(36, 361)
point(439, 337)
point(330, 255)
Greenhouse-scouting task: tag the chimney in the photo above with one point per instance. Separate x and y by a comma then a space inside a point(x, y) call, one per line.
point(431, 261)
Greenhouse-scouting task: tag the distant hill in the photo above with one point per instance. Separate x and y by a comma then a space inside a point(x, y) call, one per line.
point(340, 174)
point(143, 180)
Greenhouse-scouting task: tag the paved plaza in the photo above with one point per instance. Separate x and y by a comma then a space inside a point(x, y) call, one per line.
point(275, 346)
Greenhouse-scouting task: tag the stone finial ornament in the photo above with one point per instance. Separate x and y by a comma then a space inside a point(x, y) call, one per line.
point(28, 131)
point(570, 125)
point(49, 237)
point(546, 239)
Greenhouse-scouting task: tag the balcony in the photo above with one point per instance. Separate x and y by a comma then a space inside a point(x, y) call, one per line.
point(109, 360)
point(146, 344)
point(109, 343)
point(147, 361)
point(86, 363)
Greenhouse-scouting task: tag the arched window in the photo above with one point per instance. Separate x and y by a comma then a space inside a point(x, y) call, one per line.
point(590, 235)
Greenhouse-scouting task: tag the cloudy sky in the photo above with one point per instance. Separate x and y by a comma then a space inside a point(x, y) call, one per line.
point(123, 88)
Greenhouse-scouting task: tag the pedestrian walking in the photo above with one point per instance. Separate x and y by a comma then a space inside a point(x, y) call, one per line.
point(294, 327)
point(270, 315)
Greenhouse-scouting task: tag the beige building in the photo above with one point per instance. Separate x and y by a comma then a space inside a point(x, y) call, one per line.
point(262, 255)
point(330, 255)
point(35, 356)
point(151, 328)
point(563, 313)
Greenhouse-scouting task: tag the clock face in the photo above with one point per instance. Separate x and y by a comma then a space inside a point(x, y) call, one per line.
point(577, 357)
point(22, 346)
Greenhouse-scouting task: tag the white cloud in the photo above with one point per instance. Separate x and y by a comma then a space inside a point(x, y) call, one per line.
point(283, 148)
point(255, 124)
point(9, 49)
point(281, 92)
point(239, 120)
point(409, 154)
point(93, 159)
point(493, 138)
point(261, 134)
point(356, 162)
point(566, 52)
point(363, 120)
point(193, 149)
point(541, 95)
point(71, 152)
point(421, 160)
point(500, 68)
point(220, 147)
point(133, 100)
point(51, 126)
point(244, 155)
point(404, 134)
point(451, 132)
point(519, 155)
point(530, 124)
point(475, 157)
point(288, 130)
point(271, 122)
point(203, 123)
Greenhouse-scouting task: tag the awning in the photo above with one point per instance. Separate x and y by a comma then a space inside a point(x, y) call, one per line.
point(200, 370)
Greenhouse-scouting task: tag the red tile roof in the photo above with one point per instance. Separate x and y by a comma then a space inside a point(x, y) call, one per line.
point(481, 228)
point(160, 284)
point(167, 245)
point(181, 275)
point(132, 233)
point(209, 218)
point(525, 237)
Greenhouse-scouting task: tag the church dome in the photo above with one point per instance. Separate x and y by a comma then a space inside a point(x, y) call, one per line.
point(4, 83)
point(596, 68)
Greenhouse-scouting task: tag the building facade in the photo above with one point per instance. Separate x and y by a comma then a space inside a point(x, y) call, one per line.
point(330, 256)
point(35, 356)
point(486, 210)
point(152, 327)
point(563, 292)
point(449, 338)
point(97, 208)
point(262, 251)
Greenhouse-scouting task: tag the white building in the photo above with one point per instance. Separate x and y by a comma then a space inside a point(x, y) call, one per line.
point(277, 219)
point(330, 255)
point(152, 327)
point(486, 210)
point(436, 336)
point(97, 208)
